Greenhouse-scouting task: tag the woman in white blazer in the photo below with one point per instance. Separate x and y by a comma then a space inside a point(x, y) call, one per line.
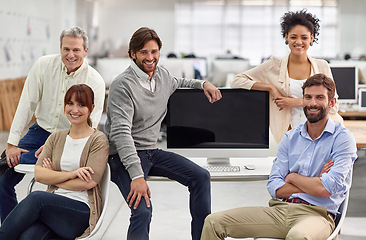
point(283, 78)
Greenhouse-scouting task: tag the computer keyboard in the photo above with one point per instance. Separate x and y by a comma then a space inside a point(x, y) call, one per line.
point(222, 168)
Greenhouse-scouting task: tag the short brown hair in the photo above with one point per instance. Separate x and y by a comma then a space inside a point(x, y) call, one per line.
point(321, 79)
point(83, 94)
point(141, 37)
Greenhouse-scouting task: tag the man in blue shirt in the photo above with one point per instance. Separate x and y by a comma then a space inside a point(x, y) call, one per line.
point(308, 181)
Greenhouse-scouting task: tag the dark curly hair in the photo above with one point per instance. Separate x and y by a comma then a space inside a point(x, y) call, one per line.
point(291, 19)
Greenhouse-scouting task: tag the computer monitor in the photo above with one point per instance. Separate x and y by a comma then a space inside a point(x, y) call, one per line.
point(362, 99)
point(361, 65)
point(224, 68)
point(346, 80)
point(237, 126)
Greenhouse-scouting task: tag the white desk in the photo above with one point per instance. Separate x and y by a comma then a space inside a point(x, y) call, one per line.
point(261, 171)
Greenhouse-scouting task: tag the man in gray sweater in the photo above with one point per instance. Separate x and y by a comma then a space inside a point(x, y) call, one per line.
point(137, 105)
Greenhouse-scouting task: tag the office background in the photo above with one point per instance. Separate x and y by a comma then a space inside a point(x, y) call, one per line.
point(31, 28)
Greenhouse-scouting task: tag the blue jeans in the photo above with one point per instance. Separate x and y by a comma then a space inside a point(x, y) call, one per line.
point(34, 139)
point(175, 167)
point(42, 215)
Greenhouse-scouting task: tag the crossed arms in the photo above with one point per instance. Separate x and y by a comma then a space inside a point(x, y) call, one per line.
point(296, 183)
point(77, 180)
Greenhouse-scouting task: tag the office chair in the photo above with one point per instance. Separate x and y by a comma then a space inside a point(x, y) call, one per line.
point(26, 169)
point(105, 185)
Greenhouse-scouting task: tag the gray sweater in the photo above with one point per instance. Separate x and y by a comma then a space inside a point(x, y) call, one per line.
point(134, 114)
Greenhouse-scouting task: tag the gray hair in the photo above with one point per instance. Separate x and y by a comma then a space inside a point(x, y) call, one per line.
point(75, 32)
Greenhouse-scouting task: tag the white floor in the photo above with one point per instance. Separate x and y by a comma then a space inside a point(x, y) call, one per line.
point(171, 219)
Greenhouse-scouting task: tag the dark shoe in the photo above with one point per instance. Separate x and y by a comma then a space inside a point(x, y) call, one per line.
point(3, 164)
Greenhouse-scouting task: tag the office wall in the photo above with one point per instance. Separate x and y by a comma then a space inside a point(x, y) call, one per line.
point(352, 27)
point(118, 20)
point(30, 29)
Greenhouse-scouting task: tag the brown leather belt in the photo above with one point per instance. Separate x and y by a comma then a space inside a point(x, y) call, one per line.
point(299, 200)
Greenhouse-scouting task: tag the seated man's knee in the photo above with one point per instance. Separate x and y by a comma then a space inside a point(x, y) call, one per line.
point(203, 176)
point(296, 235)
point(142, 212)
point(213, 223)
point(312, 227)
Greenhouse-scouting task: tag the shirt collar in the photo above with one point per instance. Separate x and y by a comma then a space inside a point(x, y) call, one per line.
point(329, 127)
point(140, 74)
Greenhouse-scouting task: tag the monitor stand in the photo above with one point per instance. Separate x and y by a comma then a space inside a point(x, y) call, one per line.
point(225, 162)
point(219, 161)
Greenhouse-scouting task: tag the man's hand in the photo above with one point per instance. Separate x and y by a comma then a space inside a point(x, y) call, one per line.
point(139, 188)
point(36, 154)
point(289, 177)
point(212, 93)
point(327, 166)
point(13, 154)
point(310, 185)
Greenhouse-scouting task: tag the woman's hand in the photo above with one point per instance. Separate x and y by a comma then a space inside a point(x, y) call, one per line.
point(288, 102)
point(47, 163)
point(274, 92)
point(84, 173)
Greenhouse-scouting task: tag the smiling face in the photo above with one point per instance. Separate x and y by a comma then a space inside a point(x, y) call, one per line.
point(77, 113)
point(147, 58)
point(72, 52)
point(316, 103)
point(299, 38)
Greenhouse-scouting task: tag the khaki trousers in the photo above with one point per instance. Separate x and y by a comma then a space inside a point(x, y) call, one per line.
point(279, 220)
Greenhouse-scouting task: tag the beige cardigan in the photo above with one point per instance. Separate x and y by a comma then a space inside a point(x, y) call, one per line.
point(94, 155)
point(274, 72)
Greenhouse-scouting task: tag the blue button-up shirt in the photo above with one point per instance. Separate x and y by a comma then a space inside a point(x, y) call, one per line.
point(298, 153)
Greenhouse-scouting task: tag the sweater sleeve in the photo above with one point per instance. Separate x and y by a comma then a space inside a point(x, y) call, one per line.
point(98, 156)
point(181, 82)
point(120, 113)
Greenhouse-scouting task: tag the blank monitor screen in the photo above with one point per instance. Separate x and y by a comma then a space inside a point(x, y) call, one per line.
point(240, 120)
point(345, 78)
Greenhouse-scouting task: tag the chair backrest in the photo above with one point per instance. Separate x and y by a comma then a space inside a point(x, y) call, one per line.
point(105, 185)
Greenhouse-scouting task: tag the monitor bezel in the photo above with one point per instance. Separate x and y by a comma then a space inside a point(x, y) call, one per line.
point(360, 97)
point(225, 153)
point(345, 65)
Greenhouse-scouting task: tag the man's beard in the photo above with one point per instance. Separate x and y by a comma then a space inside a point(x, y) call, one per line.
point(141, 65)
point(315, 118)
